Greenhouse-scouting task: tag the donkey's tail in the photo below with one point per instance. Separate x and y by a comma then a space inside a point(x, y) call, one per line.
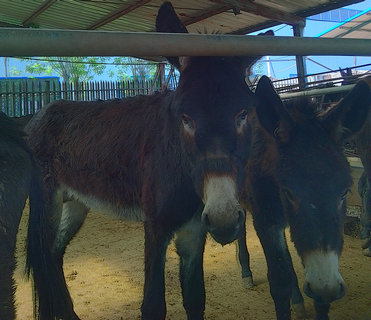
point(39, 261)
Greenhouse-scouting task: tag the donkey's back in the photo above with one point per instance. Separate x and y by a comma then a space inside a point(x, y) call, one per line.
point(98, 148)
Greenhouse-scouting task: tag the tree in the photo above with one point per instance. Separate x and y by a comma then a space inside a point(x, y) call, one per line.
point(71, 69)
point(133, 67)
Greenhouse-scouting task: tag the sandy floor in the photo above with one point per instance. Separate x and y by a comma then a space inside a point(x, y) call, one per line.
point(104, 267)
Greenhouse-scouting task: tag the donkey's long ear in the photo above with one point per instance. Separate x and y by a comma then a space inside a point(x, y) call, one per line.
point(349, 115)
point(271, 112)
point(168, 21)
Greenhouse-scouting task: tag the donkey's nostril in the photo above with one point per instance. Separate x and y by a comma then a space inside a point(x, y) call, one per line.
point(341, 291)
point(206, 221)
point(308, 291)
point(241, 216)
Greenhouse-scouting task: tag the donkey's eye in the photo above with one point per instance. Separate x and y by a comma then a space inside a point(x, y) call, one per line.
point(241, 119)
point(342, 199)
point(344, 195)
point(188, 124)
point(289, 195)
point(241, 116)
point(291, 198)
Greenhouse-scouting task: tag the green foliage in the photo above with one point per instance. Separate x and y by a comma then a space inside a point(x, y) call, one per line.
point(128, 66)
point(71, 69)
point(14, 72)
point(77, 69)
point(258, 68)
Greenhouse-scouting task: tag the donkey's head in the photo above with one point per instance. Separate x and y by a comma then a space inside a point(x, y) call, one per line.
point(210, 108)
point(314, 177)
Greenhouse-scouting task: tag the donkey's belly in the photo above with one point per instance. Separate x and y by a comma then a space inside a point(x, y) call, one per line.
point(125, 212)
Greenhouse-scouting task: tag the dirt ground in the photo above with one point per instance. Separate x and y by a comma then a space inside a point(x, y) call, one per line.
point(105, 271)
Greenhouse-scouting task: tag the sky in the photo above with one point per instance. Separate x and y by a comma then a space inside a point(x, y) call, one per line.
point(280, 66)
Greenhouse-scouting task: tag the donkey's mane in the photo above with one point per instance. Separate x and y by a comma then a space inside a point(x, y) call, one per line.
point(9, 127)
point(206, 32)
point(302, 109)
point(12, 131)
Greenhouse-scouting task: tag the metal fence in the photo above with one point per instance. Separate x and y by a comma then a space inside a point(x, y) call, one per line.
point(24, 96)
point(19, 98)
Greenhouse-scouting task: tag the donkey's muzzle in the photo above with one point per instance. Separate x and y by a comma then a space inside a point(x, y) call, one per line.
point(323, 282)
point(224, 230)
point(326, 294)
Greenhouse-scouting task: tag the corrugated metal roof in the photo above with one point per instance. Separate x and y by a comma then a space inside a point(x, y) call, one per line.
point(358, 27)
point(224, 16)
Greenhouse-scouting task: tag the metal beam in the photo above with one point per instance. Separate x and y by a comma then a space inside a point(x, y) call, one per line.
point(317, 92)
point(265, 11)
point(117, 14)
point(44, 6)
point(41, 42)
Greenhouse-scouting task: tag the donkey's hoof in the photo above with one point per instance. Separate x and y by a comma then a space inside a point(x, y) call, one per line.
point(366, 244)
point(299, 310)
point(248, 282)
point(367, 252)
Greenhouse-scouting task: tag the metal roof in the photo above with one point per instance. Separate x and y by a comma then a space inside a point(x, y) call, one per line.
point(224, 16)
point(358, 27)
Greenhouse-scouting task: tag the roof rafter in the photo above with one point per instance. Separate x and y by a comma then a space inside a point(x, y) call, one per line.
point(44, 6)
point(117, 14)
point(348, 30)
point(264, 11)
point(304, 13)
point(207, 14)
point(9, 25)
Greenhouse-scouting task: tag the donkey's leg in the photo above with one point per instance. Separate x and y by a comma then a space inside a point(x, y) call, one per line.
point(278, 259)
point(54, 299)
point(322, 311)
point(157, 238)
point(190, 244)
point(269, 223)
point(297, 300)
point(14, 183)
point(9, 221)
point(364, 190)
point(244, 259)
point(73, 217)
point(7, 266)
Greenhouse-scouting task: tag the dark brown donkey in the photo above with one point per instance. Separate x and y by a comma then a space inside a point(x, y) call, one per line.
point(298, 174)
point(362, 142)
point(20, 177)
point(175, 160)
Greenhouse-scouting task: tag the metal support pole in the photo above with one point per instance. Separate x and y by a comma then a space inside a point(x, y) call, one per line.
point(64, 43)
point(317, 92)
point(161, 67)
point(153, 87)
point(300, 63)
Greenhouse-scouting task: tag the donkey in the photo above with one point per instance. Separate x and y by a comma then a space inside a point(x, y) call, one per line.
point(298, 174)
point(175, 160)
point(362, 142)
point(20, 177)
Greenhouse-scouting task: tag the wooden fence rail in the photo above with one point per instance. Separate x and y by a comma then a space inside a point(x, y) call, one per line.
point(27, 97)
